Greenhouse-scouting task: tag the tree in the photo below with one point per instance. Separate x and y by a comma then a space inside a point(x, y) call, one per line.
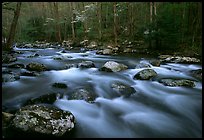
point(115, 23)
point(12, 31)
point(57, 26)
point(99, 19)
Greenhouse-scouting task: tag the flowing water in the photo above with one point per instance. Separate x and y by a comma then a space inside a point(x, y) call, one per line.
point(154, 110)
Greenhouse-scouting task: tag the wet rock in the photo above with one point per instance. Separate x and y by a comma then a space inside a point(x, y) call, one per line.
point(8, 58)
point(35, 67)
point(6, 118)
point(48, 99)
point(112, 66)
point(145, 74)
point(28, 45)
point(122, 89)
point(6, 71)
point(10, 77)
point(33, 55)
point(83, 94)
point(41, 119)
point(127, 50)
point(197, 73)
point(105, 52)
point(61, 57)
point(29, 73)
point(59, 85)
point(177, 82)
point(68, 66)
point(142, 65)
point(17, 65)
point(86, 64)
point(92, 45)
point(178, 59)
point(155, 63)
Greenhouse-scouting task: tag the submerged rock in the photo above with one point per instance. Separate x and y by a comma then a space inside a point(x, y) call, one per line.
point(122, 89)
point(36, 67)
point(142, 65)
point(17, 65)
point(48, 99)
point(83, 94)
point(29, 73)
point(61, 57)
point(33, 55)
point(177, 82)
point(86, 64)
point(10, 77)
point(43, 119)
point(112, 66)
point(145, 74)
point(59, 85)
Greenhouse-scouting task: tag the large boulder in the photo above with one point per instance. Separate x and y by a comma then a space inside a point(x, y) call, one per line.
point(86, 64)
point(83, 94)
point(41, 119)
point(35, 67)
point(122, 89)
point(112, 66)
point(177, 82)
point(145, 74)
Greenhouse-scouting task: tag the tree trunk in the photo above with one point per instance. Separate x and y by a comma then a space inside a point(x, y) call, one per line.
point(12, 32)
point(115, 23)
point(151, 9)
point(57, 25)
point(85, 24)
point(72, 22)
point(99, 20)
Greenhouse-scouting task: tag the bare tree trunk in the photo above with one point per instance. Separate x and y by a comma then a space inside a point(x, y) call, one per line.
point(57, 26)
point(73, 17)
point(85, 24)
point(115, 23)
point(151, 11)
point(12, 32)
point(99, 20)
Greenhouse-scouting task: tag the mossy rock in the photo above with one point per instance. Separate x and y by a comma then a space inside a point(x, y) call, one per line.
point(59, 85)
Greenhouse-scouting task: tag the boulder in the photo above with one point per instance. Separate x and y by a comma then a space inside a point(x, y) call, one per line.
point(61, 57)
point(6, 118)
point(8, 58)
point(142, 65)
point(197, 73)
point(41, 119)
point(105, 52)
point(83, 94)
point(128, 50)
point(59, 85)
point(86, 64)
point(122, 89)
point(155, 63)
point(10, 77)
point(112, 66)
point(177, 82)
point(35, 67)
point(145, 74)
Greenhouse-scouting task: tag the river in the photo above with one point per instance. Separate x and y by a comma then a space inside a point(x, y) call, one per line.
point(154, 110)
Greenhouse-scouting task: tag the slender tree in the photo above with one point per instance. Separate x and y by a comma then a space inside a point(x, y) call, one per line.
point(57, 26)
point(12, 32)
point(115, 23)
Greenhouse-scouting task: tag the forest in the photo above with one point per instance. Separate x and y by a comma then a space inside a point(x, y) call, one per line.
point(102, 69)
point(155, 25)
